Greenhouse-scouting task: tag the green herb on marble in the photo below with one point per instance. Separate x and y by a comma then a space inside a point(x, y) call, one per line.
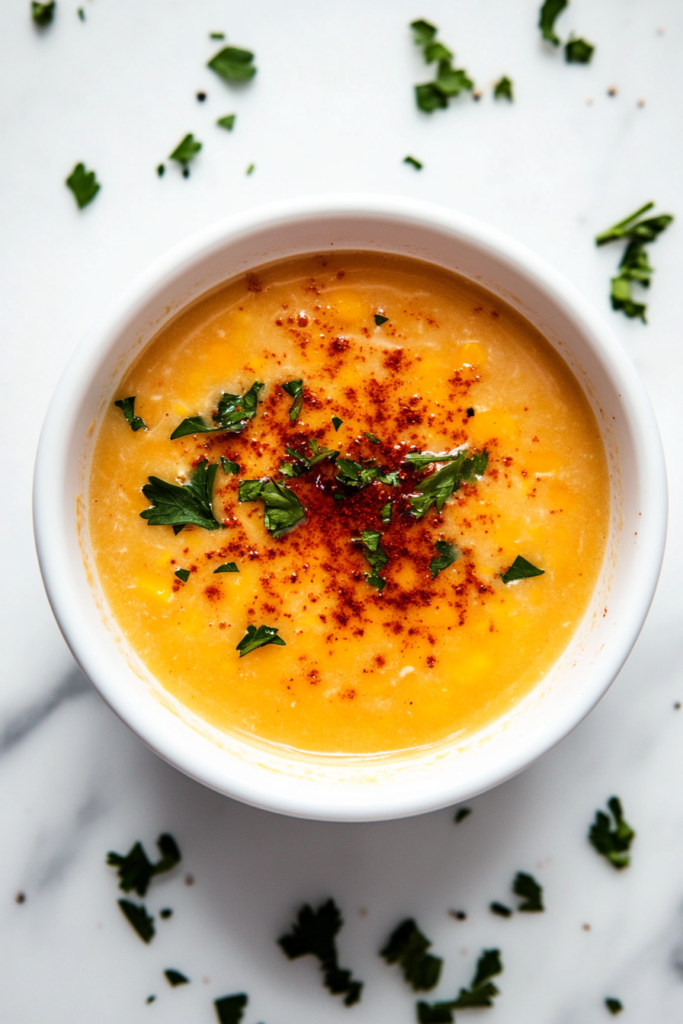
point(502, 90)
point(314, 934)
point(216, 35)
point(175, 978)
point(407, 947)
point(135, 870)
point(547, 18)
point(138, 917)
point(43, 14)
point(612, 841)
point(230, 1009)
point(461, 814)
point(637, 231)
point(227, 122)
point(150, 999)
point(250, 169)
point(186, 150)
point(613, 1005)
point(166, 913)
point(449, 81)
point(500, 909)
point(83, 184)
point(481, 992)
point(578, 51)
point(530, 892)
point(233, 64)
point(417, 165)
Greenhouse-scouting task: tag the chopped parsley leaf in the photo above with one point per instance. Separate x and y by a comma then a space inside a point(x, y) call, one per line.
point(233, 64)
point(547, 17)
point(441, 485)
point(230, 1009)
point(528, 889)
point(447, 554)
point(418, 167)
point(216, 35)
point(175, 978)
point(502, 90)
point(372, 438)
point(187, 505)
point(460, 815)
point(43, 14)
point(186, 150)
point(429, 98)
point(229, 467)
point(578, 51)
point(227, 567)
point(634, 264)
point(135, 870)
point(232, 416)
point(182, 574)
point(480, 993)
point(81, 13)
point(83, 184)
point(127, 407)
point(614, 1006)
point(379, 317)
point(500, 909)
point(449, 81)
point(407, 947)
point(138, 917)
point(376, 556)
point(250, 169)
point(420, 460)
point(612, 843)
point(227, 122)
point(261, 637)
point(314, 933)
point(520, 570)
point(423, 32)
point(302, 463)
point(385, 514)
point(283, 510)
point(336, 422)
point(166, 913)
point(161, 170)
point(354, 474)
point(150, 999)
point(295, 388)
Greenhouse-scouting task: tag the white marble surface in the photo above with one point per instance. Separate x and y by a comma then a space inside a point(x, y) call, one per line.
point(330, 109)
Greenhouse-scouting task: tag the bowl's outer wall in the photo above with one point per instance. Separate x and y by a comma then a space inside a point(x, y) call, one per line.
point(345, 789)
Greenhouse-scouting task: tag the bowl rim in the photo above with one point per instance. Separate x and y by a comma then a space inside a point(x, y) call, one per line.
point(51, 527)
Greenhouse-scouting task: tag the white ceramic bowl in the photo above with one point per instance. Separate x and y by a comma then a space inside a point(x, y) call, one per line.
point(361, 788)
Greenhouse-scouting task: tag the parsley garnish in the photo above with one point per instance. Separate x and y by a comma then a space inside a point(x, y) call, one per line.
point(336, 422)
point(385, 514)
point(261, 637)
point(283, 510)
point(175, 978)
point(440, 486)
point(139, 919)
point(135, 870)
point(372, 438)
point(528, 889)
point(302, 464)
point(480, 993)
point(127, 407)
point(449, 81)
point(423, 32)
point(229, 467)
point(81, 13)
point(232, 415)
point(418, 167)
point(420, 460)
point(447, 554)
point(161, 170)
point(216, 35)
point(43, 14)
point(150, 999)
point(614, 1006)
point(520, 570)
point(188, 505)
point(313, 933)
point(166, 913)
point(233, 64)
point(250, 169)
point(227, 567)
point(634, 264)
point(612, 843)
point(502, 90)
point(376, 556)
point(182, 574)
point(548, 15)
point(460, 815)
point(186, 150)
point(407, 947)
point(295, 388)
point(380, 318)
point(227, 122)
point(230, 1009)
point(578, 51)
point(83, 184)
point(500, 909)
point(354, 474)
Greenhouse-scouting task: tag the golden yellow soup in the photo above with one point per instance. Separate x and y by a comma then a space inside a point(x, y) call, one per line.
point(381, 573)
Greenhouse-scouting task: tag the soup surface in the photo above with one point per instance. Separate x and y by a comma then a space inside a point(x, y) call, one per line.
point(385, 571)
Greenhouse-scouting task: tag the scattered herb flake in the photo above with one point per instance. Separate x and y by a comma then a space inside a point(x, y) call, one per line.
point(447, 554)
point(423, 32)
point(372, 438)
point(150, 999)
point(233, 414)
point(233, 64)
point(336, 422)
point(229, 467)
point(463, 813)
point(283, 510)
point(376, 556)
point(139, 919)
point(135, 870)
point(449, 81)
point(500, 909)
point(175, 978)
point(230, 1009)
point(379, 317)
point(186, 150)
point(407, 947)
point(502, 90)
point(612, 843)
point(528, 889)
point(250, 169)
point(613, 1005)
point(216, 35)
point(161, 170)
point(302, 464)
point(578, 51)
point(83, 184)
point(127, 407)
point(183, 574)
point(81, 13)
point(441, 485)
point(43, 14)
point(634, 264)
point(313, 933)
point(520, 570)
point(187, 505)
point(295, 389)
point(385, 514)
point(429, 98)
point(166, 913)
point(227, 567)
point(227, 122)
point(480, 993)
point(547, 17)
point(261, 637)
point(418, 167)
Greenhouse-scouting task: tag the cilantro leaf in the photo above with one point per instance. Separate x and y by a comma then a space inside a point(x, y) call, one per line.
point(376, 556)
point(295, 388)
point(520, 570)
point(187, 505)
point(227, 122)
point(227, 567)
point(460, 815)
point(314, 933)
point(528, 889)
point(135, 870)
point(480, 993)
point(385, 514)
point(43, 14)
point(612, 843)
point(500, 909)
point(231, 417)
point(283, 510)
point(407, 947)
point(138, 917)
point(175, 978)
point(578, 51)
point(547, 17)
point(230, 1009)
point(182, 574)
point(502, 90)
point(379, 317)
point(127, 407)
point(261, 637)
point(336, 422)
point(447, 554)
point(230, 468)
point(423, 32)
point(186, 150)
point(614, 1006)
point(233, 64)
point(441, 485)
point(83, 184)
